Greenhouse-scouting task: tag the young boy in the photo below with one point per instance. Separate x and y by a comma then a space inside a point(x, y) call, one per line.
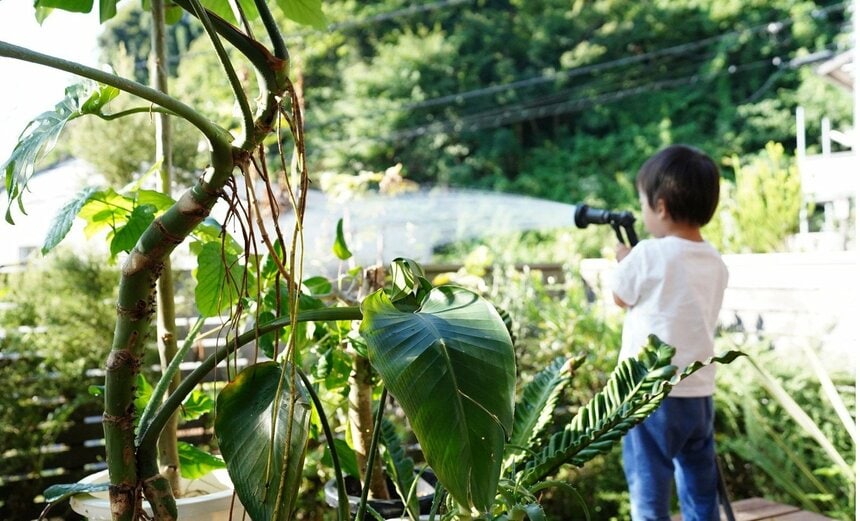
point(672, 286)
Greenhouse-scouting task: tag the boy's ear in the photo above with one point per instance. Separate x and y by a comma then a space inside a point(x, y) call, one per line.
point(660, 208)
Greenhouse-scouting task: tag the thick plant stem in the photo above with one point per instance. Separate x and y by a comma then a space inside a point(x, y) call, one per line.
point(361, 424)
point(168, 450)
point(135, 306)
point(361, 400)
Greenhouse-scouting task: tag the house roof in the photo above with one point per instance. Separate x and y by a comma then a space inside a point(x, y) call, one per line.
point(839, 69)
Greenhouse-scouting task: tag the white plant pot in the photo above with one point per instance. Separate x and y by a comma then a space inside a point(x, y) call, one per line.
point(209, 498)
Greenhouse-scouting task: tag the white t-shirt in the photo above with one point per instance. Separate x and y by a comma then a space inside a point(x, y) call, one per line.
point(674, 289)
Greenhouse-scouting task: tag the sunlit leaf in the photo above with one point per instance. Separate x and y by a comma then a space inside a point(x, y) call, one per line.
point(107, 10)
point(194, 463)
point(222, 9)
point(40, 136)
point(159, 200)
point(197, 404)
point(339, 247)
point(74, 6)
point(305, 12)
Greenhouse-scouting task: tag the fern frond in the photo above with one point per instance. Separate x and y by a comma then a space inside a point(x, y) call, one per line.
point(536, 406)
point(400, 467)
point(634, 390)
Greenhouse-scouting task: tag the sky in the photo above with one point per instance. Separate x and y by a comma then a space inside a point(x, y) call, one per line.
point(27, 90)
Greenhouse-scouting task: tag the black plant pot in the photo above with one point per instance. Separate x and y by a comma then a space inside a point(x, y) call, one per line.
point(385, 507)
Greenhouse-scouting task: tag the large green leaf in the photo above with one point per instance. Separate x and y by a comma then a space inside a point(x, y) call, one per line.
point(263, 446)
point(450, 364)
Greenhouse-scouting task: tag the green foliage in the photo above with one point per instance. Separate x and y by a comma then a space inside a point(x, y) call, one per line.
point(761, 207)
point(262, 428)
point(129, 35)
point(55, 320)
point(561, 101)
point(42, 133)
point(766, 451)
point(450, 364)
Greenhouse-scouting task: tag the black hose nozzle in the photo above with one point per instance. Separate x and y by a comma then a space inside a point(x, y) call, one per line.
point(583, 215)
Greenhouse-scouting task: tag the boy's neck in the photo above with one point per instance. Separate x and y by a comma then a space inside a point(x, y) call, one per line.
point(685, 231)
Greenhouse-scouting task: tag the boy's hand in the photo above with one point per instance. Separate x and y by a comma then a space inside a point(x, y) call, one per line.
point(621, 251)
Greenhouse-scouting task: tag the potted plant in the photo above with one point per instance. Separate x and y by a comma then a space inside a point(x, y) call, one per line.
point(444, 352)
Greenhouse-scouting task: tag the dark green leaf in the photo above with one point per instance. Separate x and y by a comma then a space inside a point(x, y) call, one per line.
point(346, 456)
point(400, 466)
point(64, 219)
point(535, 408)
point(253, 424)
point(126, 236)
point(450, 364)
point(339, 247)
point(195, 463)
point(56, 493)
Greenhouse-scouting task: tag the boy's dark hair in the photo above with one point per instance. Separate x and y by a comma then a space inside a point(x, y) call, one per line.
point(686, 179)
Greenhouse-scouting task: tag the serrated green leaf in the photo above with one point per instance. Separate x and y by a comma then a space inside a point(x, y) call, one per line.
point(127, 235)
point(339, 247)
point(305, 12)
point(194, 463)
point(218, 277)
point(105, 209)
point(62, 222)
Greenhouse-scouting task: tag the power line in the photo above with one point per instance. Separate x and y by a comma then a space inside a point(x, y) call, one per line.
point(684, 48)
point(506, 116)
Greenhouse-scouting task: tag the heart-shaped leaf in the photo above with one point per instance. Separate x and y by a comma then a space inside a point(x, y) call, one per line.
point(450, 364)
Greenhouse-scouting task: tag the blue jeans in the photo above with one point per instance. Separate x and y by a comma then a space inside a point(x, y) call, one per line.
point(676, 440)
